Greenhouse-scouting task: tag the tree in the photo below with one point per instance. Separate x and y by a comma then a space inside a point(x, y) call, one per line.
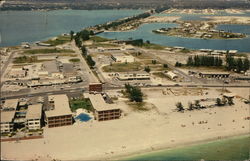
point(239, 65)
point(190, 106)
point(218, 102)
point(84, 51)
point(230, 101)
point(90, 61)
point(177, 64)
point(165, 65)
point(153, 61)
point(147, 69)
point(179, 106)
point(136, 94)
point(230, 62)
point(190, 61)
point(246, 64)
point(85, 35)
point(71, 35)
point(197, 104)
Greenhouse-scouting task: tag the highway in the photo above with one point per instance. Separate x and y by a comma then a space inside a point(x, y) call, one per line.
point(107, 87)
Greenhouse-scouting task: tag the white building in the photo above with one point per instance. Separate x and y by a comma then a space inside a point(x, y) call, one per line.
point(140, 75)
point(7, 119)
point(122, 58)
point(171, 75)
point(33, 117)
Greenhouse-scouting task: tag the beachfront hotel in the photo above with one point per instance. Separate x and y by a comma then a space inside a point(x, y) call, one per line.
point(60, 114)
point(34, 116)
point(102, 110)
point(7, 121)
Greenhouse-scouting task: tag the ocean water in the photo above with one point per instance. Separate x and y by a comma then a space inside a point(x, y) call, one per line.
point(236, 148)
point(30, 26)
point(145, 32)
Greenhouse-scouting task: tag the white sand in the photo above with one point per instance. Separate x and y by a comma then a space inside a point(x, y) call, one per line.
point(153, 19)
point(137, 131)
point(229, 19)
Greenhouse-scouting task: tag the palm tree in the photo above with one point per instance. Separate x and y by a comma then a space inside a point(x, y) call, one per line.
point(218, 102)
point(179, 106)
point(190, 106)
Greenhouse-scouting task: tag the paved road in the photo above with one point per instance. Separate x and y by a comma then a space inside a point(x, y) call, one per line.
point(107, 87)
point(91, 76)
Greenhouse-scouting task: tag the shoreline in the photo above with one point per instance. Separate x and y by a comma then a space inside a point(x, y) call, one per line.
point(164, 147)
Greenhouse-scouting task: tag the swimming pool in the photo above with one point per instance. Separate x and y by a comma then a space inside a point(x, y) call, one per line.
point(83, 117)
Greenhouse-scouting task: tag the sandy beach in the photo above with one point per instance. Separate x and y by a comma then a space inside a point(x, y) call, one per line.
point(137, 131)
point(229, 19)
point(156, 19)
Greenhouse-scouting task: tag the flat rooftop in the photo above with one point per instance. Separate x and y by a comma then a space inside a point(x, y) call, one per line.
point(214, 72)
point(10, 103)
point(61, 106)
point(34, 112)
point(7, 116)
point(99, 103)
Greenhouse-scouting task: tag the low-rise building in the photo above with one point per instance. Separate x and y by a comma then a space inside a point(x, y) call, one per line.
point(34, 116)
point(102, 110)
point(214, 74)
point(7, 121)
point(17, 73)
point(140, 75)
point(60, 115)
point(171, 75)
point(95, 87)
point(232, 51)
point(122, 58)
point(10, 105)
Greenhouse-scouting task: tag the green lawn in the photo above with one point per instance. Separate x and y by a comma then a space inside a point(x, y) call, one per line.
point(58, 41)
point(123, 67)
point(153, 46)
point(47, 51)
point(74, 60)
point(25, 59)
point(83, 103)
point(99, 39)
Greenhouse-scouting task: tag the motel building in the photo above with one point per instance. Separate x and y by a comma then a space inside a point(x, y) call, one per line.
point(7, 121)
point(102, 110)
point(214, 75)
point(140, 75)
point(60, 114)
point(34, 116)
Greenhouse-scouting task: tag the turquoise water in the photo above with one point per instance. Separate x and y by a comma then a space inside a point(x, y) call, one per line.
point(237, 148)
point(145, 32)
point(83, 117)
point(30, 26)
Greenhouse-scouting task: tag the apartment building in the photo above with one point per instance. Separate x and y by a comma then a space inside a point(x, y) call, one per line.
point(34, 116)
point(7, 121)
point(102, 110)
point(10, 105)
point(60, 114)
